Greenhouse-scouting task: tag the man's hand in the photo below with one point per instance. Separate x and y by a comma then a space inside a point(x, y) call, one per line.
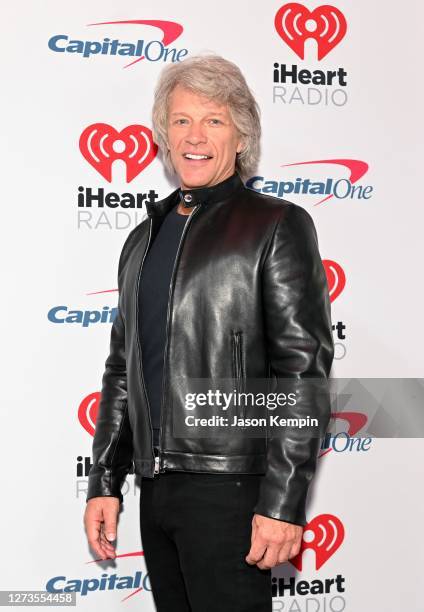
point(273, 541)
point(100, 521)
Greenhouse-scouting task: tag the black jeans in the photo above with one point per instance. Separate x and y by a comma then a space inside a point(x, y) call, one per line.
point(196, 531)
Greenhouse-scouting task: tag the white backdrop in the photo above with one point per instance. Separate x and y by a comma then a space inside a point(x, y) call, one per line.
point(366, 127)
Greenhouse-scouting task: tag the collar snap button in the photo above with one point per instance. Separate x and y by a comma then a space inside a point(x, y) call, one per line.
point(188, 197)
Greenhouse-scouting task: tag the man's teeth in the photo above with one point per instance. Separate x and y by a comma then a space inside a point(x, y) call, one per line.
point(193, 156)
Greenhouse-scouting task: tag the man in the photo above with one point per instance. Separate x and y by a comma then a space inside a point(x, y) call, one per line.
point(218, 282)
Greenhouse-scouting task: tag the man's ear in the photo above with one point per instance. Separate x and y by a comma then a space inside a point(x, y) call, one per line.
point(241, 145)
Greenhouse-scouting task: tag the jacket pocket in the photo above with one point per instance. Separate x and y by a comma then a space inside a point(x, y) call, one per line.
point(238, 364)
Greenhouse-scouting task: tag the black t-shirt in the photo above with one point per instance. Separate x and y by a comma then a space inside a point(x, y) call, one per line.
point(153, 305)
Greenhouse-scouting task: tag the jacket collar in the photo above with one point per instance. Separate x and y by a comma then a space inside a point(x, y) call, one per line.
point(199, 195)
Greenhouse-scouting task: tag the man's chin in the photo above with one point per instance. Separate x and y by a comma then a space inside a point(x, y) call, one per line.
point(196, 178)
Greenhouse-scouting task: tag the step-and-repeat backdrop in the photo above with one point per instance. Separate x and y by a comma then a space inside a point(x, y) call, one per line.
point(337, 85)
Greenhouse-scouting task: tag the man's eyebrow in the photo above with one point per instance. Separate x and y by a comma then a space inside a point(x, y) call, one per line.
point(186, 115)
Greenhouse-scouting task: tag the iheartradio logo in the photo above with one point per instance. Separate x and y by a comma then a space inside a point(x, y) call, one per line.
point(324, 535)
point(87, 411)
point(336, 278)
point(295, 23)
point(101, 145)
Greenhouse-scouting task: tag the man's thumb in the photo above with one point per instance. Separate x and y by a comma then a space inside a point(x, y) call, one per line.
point(110, 528)
point(110, 534)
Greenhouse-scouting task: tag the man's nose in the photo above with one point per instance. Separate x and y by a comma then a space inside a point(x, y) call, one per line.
point(196, 134)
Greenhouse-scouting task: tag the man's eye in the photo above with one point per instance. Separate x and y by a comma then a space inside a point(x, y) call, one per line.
point(181, 121)
point(215, 121)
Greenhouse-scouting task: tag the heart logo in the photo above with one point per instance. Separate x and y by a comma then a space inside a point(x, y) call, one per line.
point(101, 145)
point(336, 278)
point(87, 412)
point(324, 534)
point(295, 24)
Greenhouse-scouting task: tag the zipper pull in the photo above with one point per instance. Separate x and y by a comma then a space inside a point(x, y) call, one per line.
point(156, 465)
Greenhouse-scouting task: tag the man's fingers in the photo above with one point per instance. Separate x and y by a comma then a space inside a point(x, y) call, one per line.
point(280, 541)
point(270, 558)
point(284, 554)
point(93, 536)
point(100, 521)
point(275, 555)
point(256, 551)
point(295, 549)
point(107, 546)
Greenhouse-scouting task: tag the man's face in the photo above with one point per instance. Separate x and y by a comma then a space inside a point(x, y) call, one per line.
point(198, 126)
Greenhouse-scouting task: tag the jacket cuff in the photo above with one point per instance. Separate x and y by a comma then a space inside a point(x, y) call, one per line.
point(102, 482)
point(271, 505)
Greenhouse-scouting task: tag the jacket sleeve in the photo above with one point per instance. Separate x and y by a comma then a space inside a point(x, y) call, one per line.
point(112, 448)
point(300, 347)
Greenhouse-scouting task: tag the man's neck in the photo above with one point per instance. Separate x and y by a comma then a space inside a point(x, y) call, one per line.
point(183, 209)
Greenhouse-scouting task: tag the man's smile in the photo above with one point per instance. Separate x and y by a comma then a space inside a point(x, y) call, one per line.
point(196, 157)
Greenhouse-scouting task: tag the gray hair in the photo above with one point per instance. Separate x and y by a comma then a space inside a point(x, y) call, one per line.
point(222, 81)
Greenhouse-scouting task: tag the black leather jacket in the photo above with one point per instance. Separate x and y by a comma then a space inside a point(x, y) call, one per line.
point(248, 298)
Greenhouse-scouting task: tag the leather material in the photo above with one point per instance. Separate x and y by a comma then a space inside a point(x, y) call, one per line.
point(248, 299)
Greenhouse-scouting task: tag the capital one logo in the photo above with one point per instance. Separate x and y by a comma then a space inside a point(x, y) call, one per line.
point(295, 23)
point(139, 582)
point(101, 145)
point(150, 50)
point(355, 422)
point(324, 535)
point(336, 278)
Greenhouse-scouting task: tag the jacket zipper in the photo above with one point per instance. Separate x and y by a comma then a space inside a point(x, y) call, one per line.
point(159, 467)
point(238, 365)
point(140, 363)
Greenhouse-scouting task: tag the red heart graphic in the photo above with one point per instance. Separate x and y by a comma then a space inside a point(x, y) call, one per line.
point(328, 534)
point(336, 278)
point(87, 411)
point(100, 143)
point(295, 24)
